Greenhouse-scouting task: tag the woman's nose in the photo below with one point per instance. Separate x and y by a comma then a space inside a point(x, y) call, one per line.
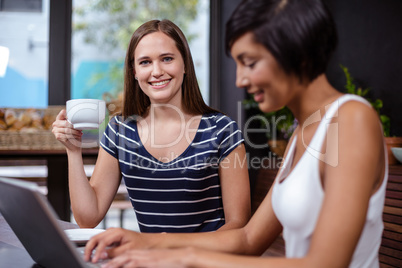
point(241, 80)
point(157, 70)
point(241, 77)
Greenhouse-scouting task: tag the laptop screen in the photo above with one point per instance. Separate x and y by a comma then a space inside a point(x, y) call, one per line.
point(35, 223)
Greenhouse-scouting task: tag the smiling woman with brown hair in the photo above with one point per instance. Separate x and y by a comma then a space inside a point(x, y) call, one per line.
point(192, 99)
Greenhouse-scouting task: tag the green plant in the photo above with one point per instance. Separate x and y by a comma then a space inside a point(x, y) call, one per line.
point(280, 124)
point(377, 104)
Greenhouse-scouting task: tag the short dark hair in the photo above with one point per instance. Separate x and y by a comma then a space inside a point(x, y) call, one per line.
point(300, 34)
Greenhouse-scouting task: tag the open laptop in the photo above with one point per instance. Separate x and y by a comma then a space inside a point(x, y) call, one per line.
point(35, 224)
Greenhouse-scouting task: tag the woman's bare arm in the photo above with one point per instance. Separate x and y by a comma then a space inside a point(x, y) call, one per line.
point(90, 199)
point(235, 185)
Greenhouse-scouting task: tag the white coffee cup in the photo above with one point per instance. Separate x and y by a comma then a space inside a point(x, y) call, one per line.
point(86, 113)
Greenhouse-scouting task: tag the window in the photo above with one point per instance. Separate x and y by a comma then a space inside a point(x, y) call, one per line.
point(102, 30)
point(24, 38)
point(21, 5)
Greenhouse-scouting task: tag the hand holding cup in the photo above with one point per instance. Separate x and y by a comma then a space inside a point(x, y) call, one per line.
point(80, 114)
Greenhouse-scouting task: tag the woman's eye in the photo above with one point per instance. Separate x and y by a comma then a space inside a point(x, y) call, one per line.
point(250, 64)
point(167, 59)
point(144, 62)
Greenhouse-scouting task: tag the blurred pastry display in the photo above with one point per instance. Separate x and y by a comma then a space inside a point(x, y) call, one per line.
point(3, 125)
point(28, 129)
point(10, 117)
point(25, 119)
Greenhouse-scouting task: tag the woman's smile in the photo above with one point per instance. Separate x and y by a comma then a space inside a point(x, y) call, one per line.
point(160, 84)
point(259, 96)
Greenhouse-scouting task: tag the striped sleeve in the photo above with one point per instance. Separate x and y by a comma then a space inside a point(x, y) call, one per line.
point(110, 138)
point(228, 135)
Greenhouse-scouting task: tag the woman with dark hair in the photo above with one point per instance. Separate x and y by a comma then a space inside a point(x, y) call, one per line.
point(181, 160)
point(328, 196)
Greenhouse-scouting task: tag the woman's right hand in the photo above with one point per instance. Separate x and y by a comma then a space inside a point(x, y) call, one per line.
point(65, 133)
point(113, 242)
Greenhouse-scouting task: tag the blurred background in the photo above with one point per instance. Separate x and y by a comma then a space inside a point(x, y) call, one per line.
point(100, 33)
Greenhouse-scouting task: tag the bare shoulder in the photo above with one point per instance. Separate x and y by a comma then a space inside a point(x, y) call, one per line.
point(358, 117)
point(359, 133)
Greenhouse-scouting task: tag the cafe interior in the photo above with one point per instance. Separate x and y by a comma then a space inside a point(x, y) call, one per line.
point(52, 51)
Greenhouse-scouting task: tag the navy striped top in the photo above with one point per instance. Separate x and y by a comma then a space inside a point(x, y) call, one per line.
point(183, 195)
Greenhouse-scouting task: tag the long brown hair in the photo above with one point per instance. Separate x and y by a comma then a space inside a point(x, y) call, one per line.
point(135, 101)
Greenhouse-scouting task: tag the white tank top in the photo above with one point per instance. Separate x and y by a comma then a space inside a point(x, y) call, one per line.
point(297, 200)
